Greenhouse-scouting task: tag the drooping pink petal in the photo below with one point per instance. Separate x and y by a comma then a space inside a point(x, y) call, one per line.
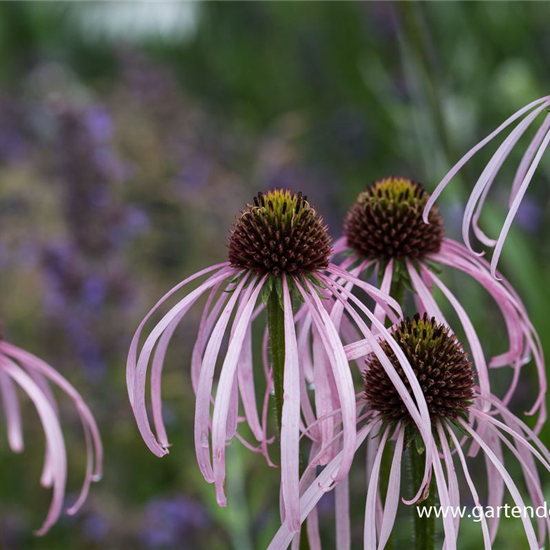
point(94, 469)
point(387, 303)
point(342, 515)
point(132, 353)
point(384, 287)
point(475, 496)
point(225, 385)
point(445, 501)
point(424, 294)
point(323, 393)
point(54, 437)
point(315, 491)
point(394, 490)
point(524, 456)
point(341, 372)
point(369, 535)
point(247, 387)
point(521, 332)
point(530, 434)
point(207, 322)
point(454, 491)
point(489, 173)
point(454, 170)
point(139, 376)
point(512, 488)
point(528, 158)
point(204, 388)
point(12, 411)
point(514, 207)
point(290, 433)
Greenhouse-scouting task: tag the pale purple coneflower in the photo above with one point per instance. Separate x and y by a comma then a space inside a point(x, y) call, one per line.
point(21, 370)
point(524, 174)
point(384, 230)
point(447, 378)
point(278, 251)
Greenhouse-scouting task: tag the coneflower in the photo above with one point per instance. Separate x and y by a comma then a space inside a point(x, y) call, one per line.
point(279, 252)
point(384, 230)
point(20, 370)
point(523, 177)
point(447, 378)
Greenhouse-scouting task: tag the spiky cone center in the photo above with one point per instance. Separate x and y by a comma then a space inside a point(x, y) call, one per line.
point(440, 363)
point(386, 222)
point(280, 232)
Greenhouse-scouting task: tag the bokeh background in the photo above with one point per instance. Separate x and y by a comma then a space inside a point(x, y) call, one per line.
point(130, 136)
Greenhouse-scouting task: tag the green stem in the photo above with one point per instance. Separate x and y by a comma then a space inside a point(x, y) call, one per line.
point(424, 527)
point(397, 292)
point(276, 327)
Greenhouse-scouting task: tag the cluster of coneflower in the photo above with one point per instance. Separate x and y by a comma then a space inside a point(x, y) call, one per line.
point(347, 361)
point(356, 351)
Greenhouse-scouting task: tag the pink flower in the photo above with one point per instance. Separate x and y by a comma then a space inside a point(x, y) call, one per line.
point(20, 369)
point(522, 179)
point(458, 417)
point(385, 232)
point(279, 253)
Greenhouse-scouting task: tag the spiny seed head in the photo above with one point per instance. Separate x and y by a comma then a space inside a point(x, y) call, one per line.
point(441, 366)
point(280, 232)
point(386, 222)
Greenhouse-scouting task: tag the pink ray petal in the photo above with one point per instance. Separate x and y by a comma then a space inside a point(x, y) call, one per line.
point(12, 410)
point(473, 491)
point(139, 378)
point(489, 173)
point(445, 501)
point(341, 372)
point(315, 491)
point(54, 436)
point(394, 491)
point(512, 488)
point(516, 204)
point(204, 388)
point(290, 433)
point(132, 353)
point(454, 170)
point(369, 535)
point(225, 384)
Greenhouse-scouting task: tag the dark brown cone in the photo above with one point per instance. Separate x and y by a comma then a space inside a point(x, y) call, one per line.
point(280, 233)
point(386, 222)
point(438, 359)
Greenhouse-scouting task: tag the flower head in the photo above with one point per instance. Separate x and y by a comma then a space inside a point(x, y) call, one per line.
point(280, 233)
point(524, 175)
point(386, 222)
point(278, 273)
point(20, 370)
point(440, 363)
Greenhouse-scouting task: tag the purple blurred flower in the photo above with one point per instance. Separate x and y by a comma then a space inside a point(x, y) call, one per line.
point(171, 522)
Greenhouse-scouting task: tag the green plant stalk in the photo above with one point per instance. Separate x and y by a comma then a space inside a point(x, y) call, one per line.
point(276, 328)
point(397, 292)
point(424, 527)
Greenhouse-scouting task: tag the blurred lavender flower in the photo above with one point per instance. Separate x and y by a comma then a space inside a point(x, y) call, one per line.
point(13, 142)
point(173, 522)
point(85, 272)
point(530, 214)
